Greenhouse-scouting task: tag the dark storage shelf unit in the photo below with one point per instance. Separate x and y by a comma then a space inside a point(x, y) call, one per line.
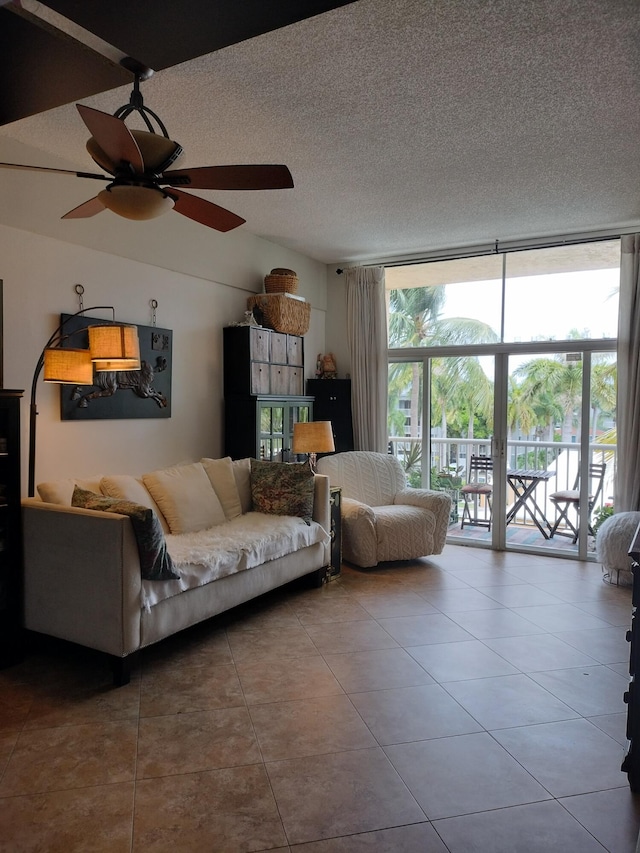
point(259, 361)
point(332, 402)
point(11, 639)
point(263, 391)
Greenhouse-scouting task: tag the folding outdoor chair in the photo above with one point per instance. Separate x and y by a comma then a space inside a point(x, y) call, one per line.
point(564, 501)
point(479, 483)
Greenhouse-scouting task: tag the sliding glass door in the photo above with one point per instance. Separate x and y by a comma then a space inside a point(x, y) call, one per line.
point(523, 385)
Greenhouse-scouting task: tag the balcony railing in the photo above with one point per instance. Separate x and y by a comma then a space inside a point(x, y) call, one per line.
point(449, 463)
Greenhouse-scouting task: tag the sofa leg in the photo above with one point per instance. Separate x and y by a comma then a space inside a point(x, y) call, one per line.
point(121, 670)
point(319, 577)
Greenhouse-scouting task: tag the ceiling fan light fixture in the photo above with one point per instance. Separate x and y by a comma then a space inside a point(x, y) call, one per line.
point(136, 202)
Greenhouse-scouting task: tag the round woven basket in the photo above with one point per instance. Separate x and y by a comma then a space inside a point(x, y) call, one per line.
point(281, 281)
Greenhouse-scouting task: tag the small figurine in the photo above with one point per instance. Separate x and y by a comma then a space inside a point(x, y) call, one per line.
point(319, 366)
point(329, 367)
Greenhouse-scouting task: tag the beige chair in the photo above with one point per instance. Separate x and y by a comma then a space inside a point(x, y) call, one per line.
point(570, 499)
point(383, 519)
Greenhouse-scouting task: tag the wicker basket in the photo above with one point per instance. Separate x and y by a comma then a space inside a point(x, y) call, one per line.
point(281, 280)
point(282, 313)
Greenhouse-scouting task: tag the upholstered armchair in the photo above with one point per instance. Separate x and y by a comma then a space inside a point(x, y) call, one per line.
point(382, 519)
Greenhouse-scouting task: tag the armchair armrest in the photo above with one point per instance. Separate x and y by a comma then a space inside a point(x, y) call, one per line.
point(439, 503)
point(354, 510)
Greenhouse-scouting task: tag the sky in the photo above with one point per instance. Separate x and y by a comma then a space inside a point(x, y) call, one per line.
point(544, 306)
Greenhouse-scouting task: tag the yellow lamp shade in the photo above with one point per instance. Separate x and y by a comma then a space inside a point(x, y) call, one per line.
point(313, 437)
point(116, 346)
point(68, 366)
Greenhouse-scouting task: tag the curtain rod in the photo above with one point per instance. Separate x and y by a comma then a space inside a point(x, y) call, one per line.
point(498, 248)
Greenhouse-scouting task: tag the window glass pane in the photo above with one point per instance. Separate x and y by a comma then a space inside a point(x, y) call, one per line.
point(563, 293)
point(445, 302)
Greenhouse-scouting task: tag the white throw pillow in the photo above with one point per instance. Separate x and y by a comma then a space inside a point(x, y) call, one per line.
point(185, 497)
point(61, 491)
point(242, 475)
point(128, 488)
point(220, 473)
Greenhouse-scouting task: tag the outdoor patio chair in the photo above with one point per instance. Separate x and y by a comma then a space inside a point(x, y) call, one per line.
point(566, 500)
point(479, 485)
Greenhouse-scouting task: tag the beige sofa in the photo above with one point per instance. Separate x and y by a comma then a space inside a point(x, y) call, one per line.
point(82, 567)
point(382, 519)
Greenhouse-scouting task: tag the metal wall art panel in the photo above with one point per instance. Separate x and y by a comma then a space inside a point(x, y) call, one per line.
point(144, 393)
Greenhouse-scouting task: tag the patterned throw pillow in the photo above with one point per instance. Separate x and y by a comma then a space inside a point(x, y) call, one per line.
point(282, 488)
point(155, 561)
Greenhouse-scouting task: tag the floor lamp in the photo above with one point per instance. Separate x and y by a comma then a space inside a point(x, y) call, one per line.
point(112, 347)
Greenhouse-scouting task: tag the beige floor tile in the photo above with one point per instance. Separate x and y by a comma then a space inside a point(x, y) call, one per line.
point(337, 608)
point(201, 645)
point(16, 700)
point(63, 707)
point(605, 645)
point(328, 796)
point(231, 809)
point(350, 637)
point(589, 690)
point(458, 661)
point(417, 838)
point(190, 743)
point(613, 817)
point(534, 828)
point(71, 757)
point(459, 775)
point(617, 613)
point(485, 624)
point(412, 714)
point(271, 643)
point(518, 595)
point(508, 700)
point(538, 652)
point(615, 725)
point(404, 603)
point(8, 741)
point(376, 670)
point(309, 727)
point(569, 757)
point(560, 617)
point(196, 688)
point(97, 819)
point(455, 601)
point(287, 678)
point(423, 630)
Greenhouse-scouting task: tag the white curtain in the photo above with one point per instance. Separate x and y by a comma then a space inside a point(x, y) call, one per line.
point(367, 338)
point(627, 483)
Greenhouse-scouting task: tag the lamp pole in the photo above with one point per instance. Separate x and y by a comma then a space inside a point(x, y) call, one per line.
point(56, 338)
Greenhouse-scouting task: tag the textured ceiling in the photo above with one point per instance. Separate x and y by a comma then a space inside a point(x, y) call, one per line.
point(408, 125)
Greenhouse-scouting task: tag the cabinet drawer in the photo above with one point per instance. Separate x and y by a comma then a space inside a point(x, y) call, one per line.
point(259, 344)
point(260, 378)
point(295, 353)
point(279, 374)
point(296, 381)
point(278, 348)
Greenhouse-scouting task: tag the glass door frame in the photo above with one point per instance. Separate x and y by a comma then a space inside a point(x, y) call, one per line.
point(501, 352)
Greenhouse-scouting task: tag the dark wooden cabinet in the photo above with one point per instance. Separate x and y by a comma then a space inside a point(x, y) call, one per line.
point(11, 632)
point(332, 402)
point(631, 763)
point(263, 392)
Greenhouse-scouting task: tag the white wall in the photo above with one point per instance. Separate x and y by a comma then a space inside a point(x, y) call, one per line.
point(336, 336)
point(39, 274)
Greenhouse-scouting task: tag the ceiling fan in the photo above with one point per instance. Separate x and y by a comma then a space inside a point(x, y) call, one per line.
point(142, 186)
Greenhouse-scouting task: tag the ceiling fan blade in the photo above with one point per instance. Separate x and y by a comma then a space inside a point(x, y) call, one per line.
point(205, 212)
point(55, 171)
point(113, 136)
point(86, 209)
point(230, 178)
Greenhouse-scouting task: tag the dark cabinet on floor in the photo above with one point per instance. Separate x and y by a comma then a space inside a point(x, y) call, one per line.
point(10, 530)
point(332, 402)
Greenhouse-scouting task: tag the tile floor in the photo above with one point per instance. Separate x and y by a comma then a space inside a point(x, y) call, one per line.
point(469, 702)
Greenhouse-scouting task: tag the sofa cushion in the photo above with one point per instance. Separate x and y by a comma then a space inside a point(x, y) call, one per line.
point(282, 488)
point(155, 562)
point(242, 475)
point(220, 474)
point(61, 491)
point(128, 488)
point(186, 497)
